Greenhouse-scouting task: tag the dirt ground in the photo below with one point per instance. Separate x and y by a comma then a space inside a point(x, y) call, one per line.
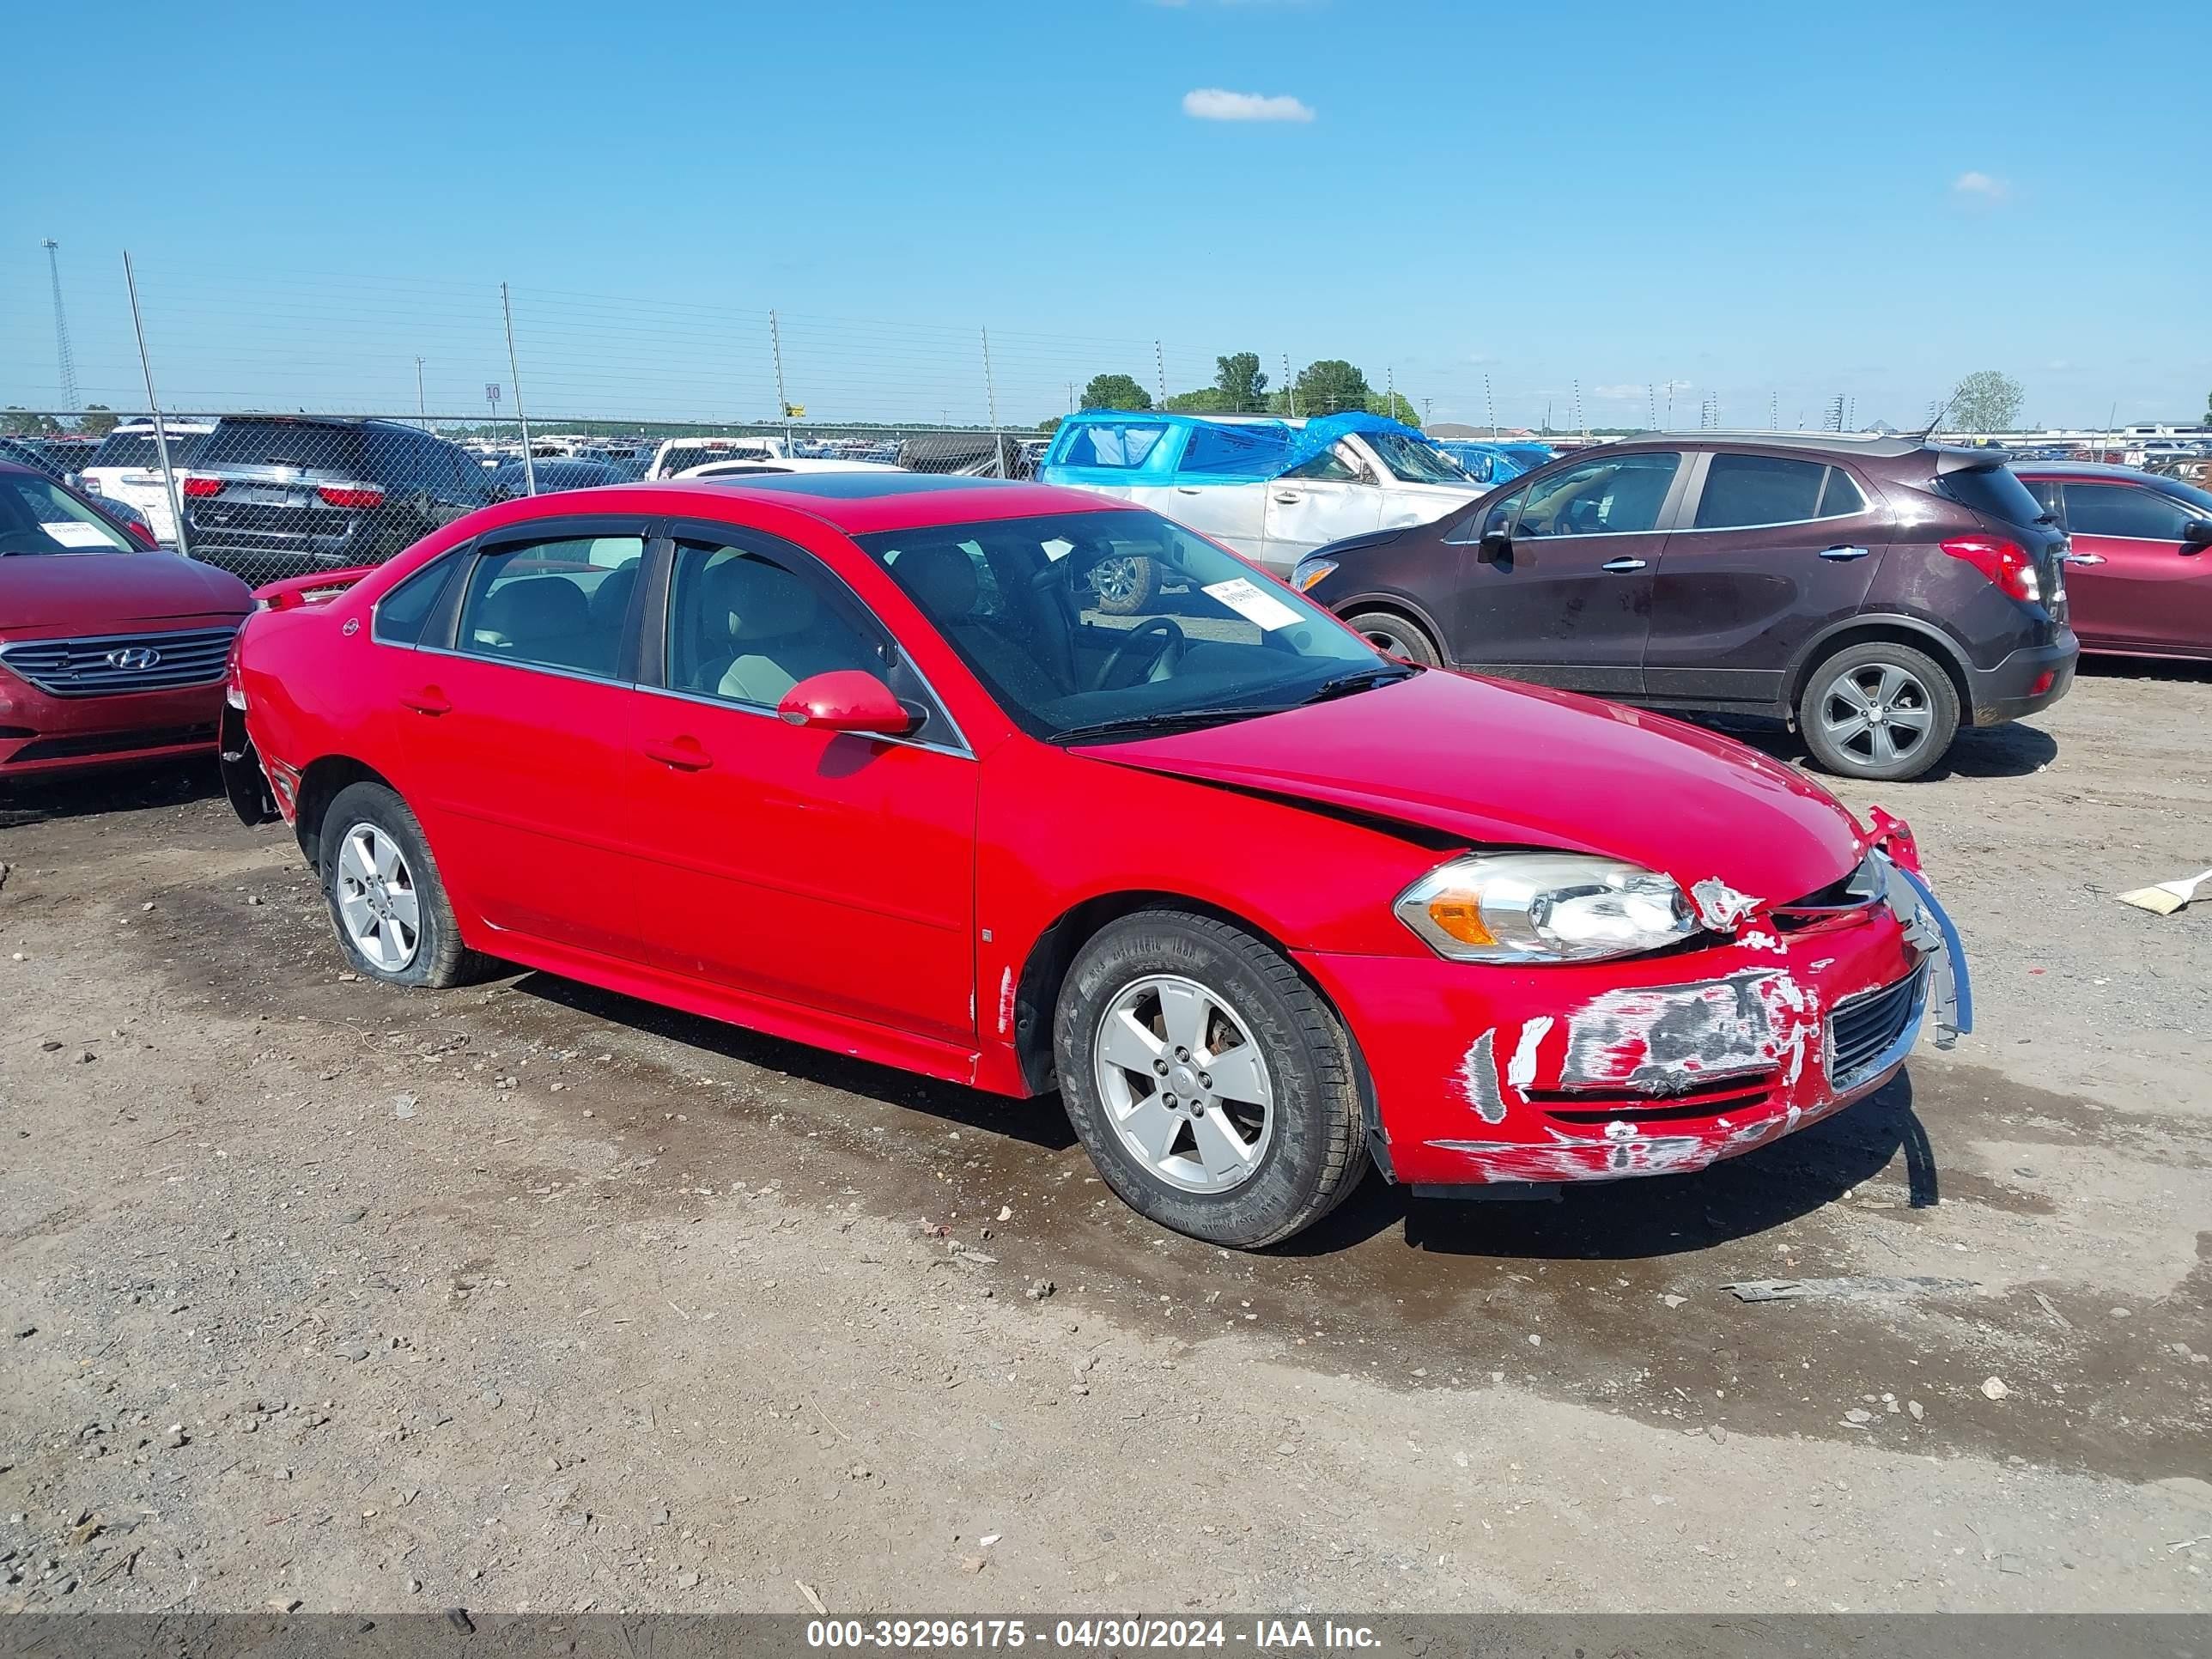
point(525, 1297)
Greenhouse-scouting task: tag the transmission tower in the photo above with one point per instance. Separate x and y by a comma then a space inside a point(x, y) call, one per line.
point(63, 355)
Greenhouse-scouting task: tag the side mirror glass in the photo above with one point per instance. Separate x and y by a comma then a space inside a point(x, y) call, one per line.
point(846, 700)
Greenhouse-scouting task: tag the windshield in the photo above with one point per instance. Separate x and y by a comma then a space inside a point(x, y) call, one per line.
point(2188, 494)
point(1119, 619)
point(38, 516)
point(1416, 460)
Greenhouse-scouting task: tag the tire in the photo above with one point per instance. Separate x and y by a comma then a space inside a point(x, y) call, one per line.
point(1395, 636)
point(1125, 585)
point(367, 827)
point(1855, 704)
point(1294, 1108)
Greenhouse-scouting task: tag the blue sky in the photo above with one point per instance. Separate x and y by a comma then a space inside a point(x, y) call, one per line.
point(1768, 205)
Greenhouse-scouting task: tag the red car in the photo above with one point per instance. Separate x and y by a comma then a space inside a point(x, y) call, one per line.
point(109, 651)
point(860, 760)
point(2139, 576)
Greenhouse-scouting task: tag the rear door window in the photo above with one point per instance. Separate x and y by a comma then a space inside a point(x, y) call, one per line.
point(562, 602)
point(1742, 490)
point(1841, 498)
point(2099, 510)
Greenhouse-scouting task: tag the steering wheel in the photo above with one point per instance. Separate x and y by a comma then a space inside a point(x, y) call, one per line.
point(1168, 651)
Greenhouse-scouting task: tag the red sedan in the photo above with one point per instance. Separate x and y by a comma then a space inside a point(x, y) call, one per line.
point(109, 651)
point(861, 760)
point(2139, 576)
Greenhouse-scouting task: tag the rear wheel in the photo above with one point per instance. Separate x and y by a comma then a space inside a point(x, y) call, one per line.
point(1213, 1090)
point(1879, 711)
point(1395, 636)
point(393, 921)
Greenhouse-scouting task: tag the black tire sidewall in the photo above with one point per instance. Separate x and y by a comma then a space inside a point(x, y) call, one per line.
point(1943, 703)
point(1293, 1185)
point(373, 804)
point(1147, 585)
point(1420, 648)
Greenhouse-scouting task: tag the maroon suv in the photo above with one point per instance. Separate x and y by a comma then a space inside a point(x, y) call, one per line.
point(1876, 593)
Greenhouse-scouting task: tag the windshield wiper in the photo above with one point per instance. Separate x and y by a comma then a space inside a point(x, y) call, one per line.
point(1173, 720)
point(1361, 679)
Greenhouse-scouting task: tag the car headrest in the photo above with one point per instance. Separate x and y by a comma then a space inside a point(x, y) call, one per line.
point(940, 579)
point(760, 601)
point(536, 608)
point(611, 598)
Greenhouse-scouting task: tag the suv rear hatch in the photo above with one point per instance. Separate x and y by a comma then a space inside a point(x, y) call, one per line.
point(1980, 482)
point(272, 484)
point(126, 466)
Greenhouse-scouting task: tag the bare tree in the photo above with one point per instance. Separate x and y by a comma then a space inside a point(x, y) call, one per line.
point(1986, 401)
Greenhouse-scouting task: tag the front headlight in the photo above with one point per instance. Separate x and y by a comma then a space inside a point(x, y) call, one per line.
point(1309, 571)
point(1544, 906)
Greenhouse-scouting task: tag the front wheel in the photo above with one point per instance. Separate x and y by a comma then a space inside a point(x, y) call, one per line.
point(1213, 1088)
point(1393, 636)
point(393, 921)
point(1878, 711)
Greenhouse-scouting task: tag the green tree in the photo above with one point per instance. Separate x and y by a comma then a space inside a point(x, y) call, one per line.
point(1331, 386)
point(1242, 386)
point(1394, 405)
point(1050, 424)
point(16, 422)
point(97, 421)
point(1204, 400)
point(1985, 401)
point(1115, 391)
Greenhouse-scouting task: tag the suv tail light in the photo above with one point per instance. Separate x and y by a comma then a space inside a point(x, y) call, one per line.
point(138, 532)
point(202, 487)
point(350, 495)
point(2008, 564)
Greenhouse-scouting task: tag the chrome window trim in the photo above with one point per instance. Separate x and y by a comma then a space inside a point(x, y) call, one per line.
point(554, 669)
point(1774, 524)
point(762, 711)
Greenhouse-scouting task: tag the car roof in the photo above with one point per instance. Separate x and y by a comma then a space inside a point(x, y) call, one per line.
point(856, 503)
point(1856, 443)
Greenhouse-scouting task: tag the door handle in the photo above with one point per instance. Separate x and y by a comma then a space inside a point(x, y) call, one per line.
point(684, 754)
point(1622, 565)
point(428, 701)
point(1843, 555)
point(1186, 489)
point(2085, 558)
point(1287, 497)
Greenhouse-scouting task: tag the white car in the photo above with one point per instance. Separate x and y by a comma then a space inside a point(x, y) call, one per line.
point(749, 468)
point(127, 468)
point(1214, 476)
point(680, 455)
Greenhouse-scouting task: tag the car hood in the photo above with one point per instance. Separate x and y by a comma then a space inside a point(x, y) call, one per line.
point(95, 592)
point(1514, 765)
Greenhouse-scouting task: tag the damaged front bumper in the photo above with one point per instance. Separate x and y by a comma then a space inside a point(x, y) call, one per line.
point(1655, 1064)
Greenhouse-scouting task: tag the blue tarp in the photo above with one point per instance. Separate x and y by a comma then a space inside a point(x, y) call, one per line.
point(1115, 447)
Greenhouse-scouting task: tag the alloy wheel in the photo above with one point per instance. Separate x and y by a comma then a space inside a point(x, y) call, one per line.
point(376, 897)
point(1877, 713)
point(1185, 1086)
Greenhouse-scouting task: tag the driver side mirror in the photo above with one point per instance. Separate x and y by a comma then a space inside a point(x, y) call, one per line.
point(2196, 536)
point(1495, 545)
point(847, 699)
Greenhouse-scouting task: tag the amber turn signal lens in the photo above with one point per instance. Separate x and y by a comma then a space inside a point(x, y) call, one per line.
point(1461, 917)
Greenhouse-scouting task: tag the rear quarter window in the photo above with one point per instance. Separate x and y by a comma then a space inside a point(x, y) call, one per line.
point(1993, 491)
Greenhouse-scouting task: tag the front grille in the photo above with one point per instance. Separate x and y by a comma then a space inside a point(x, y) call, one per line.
point(1861, 1029)
point(116, 663)
point(113, 742)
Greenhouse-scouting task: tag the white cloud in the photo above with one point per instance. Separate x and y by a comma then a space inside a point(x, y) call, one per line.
point(1212, 104)
point(1982, 187)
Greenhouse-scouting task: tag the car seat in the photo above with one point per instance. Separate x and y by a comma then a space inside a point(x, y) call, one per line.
point(779, 633)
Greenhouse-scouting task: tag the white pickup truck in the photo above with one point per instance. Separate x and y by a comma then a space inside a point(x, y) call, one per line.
point(1272, 490)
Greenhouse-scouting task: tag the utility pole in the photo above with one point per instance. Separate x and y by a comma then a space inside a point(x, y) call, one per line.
point(515, 369)
point(1390, 390)
point(1773, 412)
point(1160, 368)
point(776, 350)
point(1289, 387)
point(65, 359)
point(991, 407)
point(1651, 403)
point(1428, 410)
point(422, 409)
point(154, 408)
point(1491, 401)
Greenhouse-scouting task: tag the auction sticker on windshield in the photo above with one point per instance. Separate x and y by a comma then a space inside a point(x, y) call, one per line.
point(1265, 611)
point(69, 533)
